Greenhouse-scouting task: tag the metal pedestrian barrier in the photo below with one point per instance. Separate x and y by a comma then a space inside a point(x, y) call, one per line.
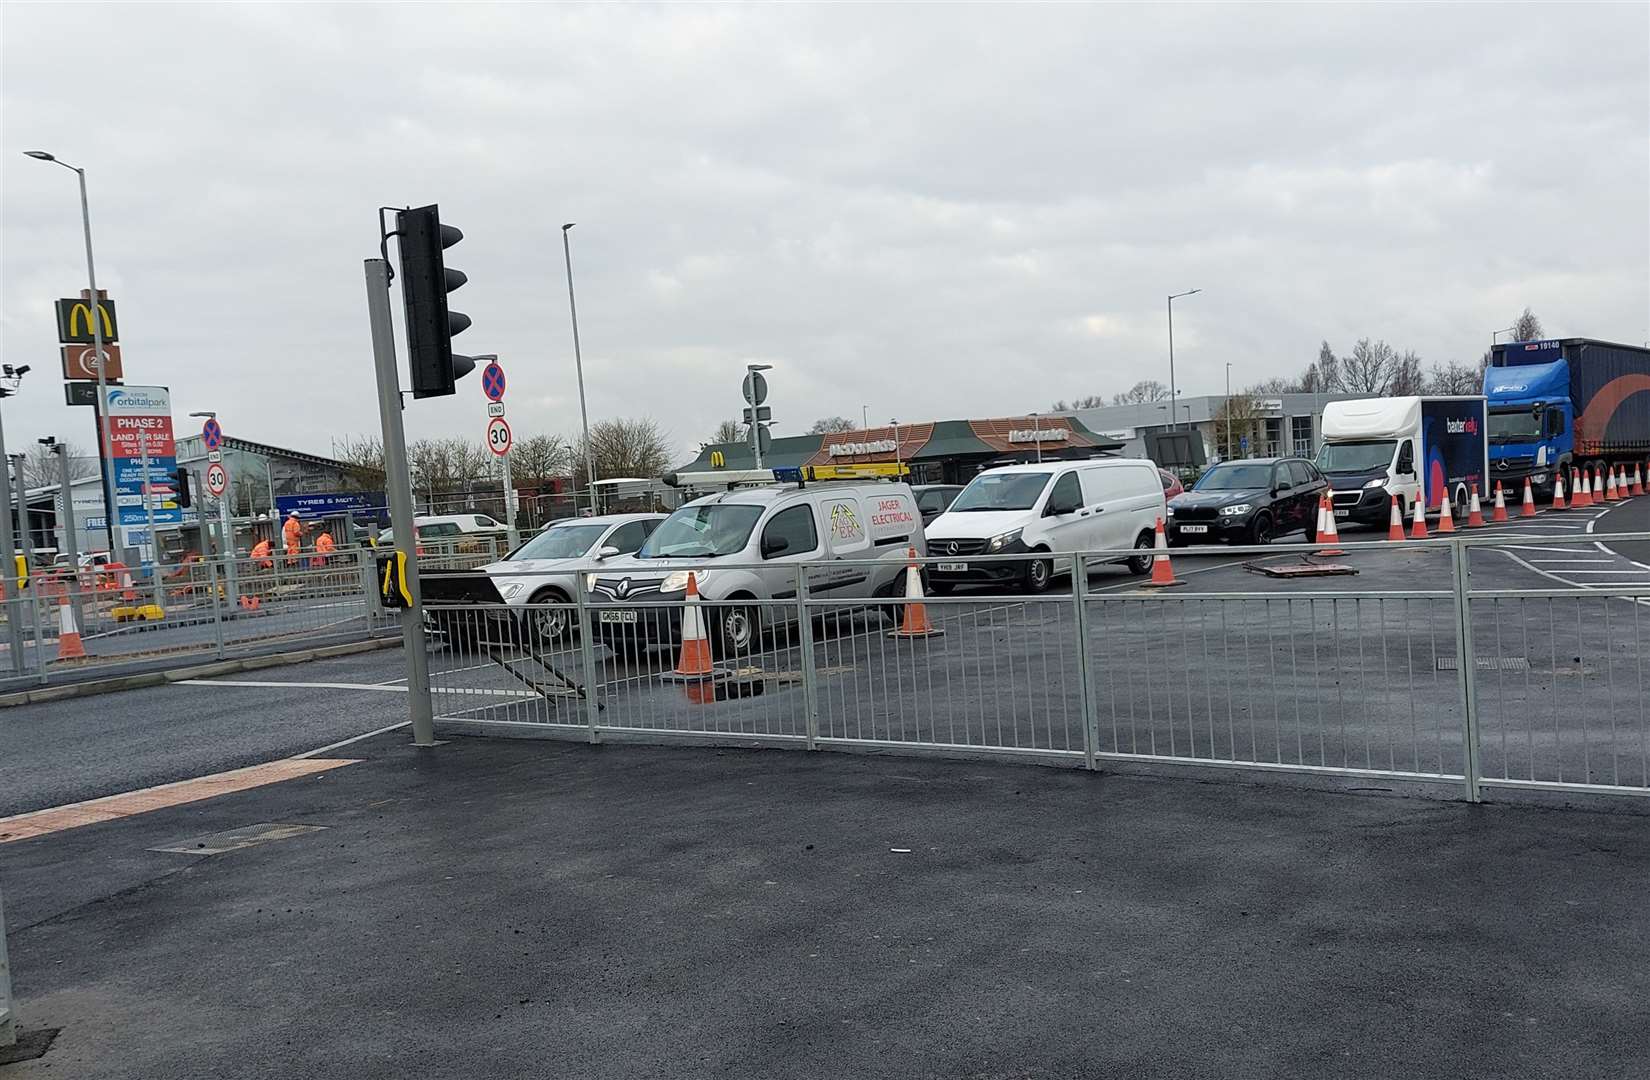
point(1435, 681)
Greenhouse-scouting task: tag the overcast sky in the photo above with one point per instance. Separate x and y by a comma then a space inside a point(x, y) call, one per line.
point(935, 212)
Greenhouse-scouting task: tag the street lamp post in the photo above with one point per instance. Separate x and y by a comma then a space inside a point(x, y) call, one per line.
point(1228, 409)
point(1497, 333)
point(1172, 391)
point(578, 366)
point(106, 450)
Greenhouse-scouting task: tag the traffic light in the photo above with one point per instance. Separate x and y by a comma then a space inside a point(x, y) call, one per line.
point(425, 283)
point(181, 478)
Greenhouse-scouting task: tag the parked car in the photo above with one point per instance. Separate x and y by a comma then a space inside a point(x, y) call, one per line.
point(1248, 502)
point(1046, 509)
point(544, 570)
point(934, 499)
point(448, 527)
point(1171, 484)
point(744, 545)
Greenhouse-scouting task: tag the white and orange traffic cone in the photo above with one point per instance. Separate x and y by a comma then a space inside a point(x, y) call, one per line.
point(694, 662)
point(1418, 529)
point(1585, 496)
point(1395, 526)
point(1475, 511)
point(1327, 533)
point(1498, 512)
point(1162, 572)
point(1610, 494)
point(1446, 515)
point(1638, 479)
point(1528, 509)
point(69, 646)
point(916, 622)
point(1558, 489)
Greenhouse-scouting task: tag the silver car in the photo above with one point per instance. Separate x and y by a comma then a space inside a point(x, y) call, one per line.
point(544, 569)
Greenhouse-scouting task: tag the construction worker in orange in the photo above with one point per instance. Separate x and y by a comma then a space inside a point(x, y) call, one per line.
point(323, 548)
point(261, 552)
point(292, 538)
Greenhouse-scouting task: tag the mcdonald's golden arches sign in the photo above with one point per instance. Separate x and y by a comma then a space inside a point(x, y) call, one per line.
point(74, 321)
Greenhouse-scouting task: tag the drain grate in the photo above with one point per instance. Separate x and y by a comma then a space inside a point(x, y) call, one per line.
point(1487, 663)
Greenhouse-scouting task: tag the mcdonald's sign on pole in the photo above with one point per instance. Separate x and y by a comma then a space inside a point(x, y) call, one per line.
point(74, 321)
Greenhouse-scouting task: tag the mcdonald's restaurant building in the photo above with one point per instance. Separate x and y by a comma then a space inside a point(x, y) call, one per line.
point(937, 452)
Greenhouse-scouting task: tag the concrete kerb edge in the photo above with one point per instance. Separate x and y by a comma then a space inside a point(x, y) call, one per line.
point(193, 671)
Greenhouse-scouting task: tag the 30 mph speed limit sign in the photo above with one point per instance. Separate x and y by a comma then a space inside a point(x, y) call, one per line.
point(498, 436)
point(216, 478)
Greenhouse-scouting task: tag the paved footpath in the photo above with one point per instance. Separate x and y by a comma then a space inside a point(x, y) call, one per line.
point(495, 908)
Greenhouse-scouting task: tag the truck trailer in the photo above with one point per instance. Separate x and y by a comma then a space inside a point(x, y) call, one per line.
point(1417, 449)
point(1571, 403)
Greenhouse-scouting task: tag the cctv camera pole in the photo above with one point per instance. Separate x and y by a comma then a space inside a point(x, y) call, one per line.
point(71, 545)
point(399, 482)
point(8, 575)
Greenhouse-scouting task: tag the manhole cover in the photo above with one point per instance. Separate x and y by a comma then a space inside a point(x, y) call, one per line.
point(1487, 663)
point(235, 839)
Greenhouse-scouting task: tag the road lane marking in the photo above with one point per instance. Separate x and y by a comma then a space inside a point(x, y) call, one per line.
point(329, 747)
point(161, 797)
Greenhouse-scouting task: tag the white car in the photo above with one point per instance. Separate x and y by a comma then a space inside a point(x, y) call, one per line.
point(545, 568)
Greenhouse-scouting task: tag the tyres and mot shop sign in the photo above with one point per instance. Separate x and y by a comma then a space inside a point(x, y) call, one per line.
point(140, 422)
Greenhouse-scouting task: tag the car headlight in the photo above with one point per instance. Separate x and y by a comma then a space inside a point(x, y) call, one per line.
point(511, 591)
point(1169, 511)
point(677, 582)
point(1379, 481)
point(1002, 540)
point(1234, 511)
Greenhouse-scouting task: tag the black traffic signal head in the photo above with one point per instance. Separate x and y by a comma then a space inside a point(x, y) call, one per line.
point(425, 283)
point(181, 481)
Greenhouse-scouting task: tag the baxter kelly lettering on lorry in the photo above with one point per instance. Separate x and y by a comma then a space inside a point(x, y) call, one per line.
point(1573, 403)
point(1417, 449)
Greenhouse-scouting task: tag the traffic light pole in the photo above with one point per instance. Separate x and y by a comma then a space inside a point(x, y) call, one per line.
point(71, 544)
point(399, 482)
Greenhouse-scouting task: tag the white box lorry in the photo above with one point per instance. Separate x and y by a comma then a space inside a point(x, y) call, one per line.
point(1417, 448)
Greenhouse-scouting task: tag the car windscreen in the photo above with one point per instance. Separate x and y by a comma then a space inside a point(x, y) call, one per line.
point(702, 532)
point(1355, 457)
point(560, 542)
point(1236, 478)
point(1001, 491)
point(1519, 425)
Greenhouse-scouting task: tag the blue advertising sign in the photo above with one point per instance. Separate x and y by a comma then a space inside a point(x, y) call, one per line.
point(334, 503)
point(140, 427)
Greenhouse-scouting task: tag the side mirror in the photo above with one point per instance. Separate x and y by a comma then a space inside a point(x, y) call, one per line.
point(607, 552)
point(777, 545)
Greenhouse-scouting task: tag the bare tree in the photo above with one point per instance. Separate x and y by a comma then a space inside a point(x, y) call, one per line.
point(1455, 378)
point(42, 468)
point(832, 425)
point(1088, 401)
point(728, 431)
point(363, 459)
point(1238, 418)
point(1527, 327)
point(625, 447)
point(1146, 390)
point(1407, 377)
point(540, 457)
point(447, 464)
point(1276, 385)
point(1323, 375)
point(1369, 368)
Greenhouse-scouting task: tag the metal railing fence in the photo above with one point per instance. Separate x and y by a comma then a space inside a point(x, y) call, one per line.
point(1433, 680)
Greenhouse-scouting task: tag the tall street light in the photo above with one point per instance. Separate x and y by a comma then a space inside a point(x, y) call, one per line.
point(1497, 333)
point(578, 365)
point(106, 449)
point(1172, 299)
point(1228, 409)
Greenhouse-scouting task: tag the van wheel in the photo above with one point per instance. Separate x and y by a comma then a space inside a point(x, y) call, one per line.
point(1039, 575)
point(737, 629)
point(1141, 565)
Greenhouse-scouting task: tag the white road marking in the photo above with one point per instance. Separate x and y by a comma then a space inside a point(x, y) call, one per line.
point(355, 739)
point(1616, 570)
point(291, 685)
point(1568, 562)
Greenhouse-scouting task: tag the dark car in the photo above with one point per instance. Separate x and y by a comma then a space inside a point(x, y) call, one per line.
point(935, 499)
point(1249, 502)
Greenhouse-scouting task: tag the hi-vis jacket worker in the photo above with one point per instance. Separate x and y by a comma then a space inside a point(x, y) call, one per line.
point(323, 548)
point(261, 552)
point(292, 534)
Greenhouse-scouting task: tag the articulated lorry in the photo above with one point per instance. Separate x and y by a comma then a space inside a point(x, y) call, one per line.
point(1570, 403)
point(1417, 449)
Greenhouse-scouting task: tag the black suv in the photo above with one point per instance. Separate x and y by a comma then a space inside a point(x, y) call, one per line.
point(1249, 502)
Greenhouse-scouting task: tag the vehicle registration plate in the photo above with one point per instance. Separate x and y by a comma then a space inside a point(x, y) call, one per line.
point(951, 567)
point(1343, 513)
point(1194, 528)
point(621, 617)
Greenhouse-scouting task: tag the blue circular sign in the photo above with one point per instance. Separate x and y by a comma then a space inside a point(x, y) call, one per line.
point(492, 382)
point(211, 433)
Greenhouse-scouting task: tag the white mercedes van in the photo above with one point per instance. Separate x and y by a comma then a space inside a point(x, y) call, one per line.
point(1104, 504)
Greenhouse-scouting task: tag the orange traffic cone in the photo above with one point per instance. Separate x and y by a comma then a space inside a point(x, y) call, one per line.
point(1498, 512)
point(1558, 490)
point(1162, 572)
point(69, 646)
point(694, 661)
point(1327, 533)
point(1528, 509)
point(1610, 494)
point(1638, 479)
point(916, 622)
point(128, 591)
point(1446, 517)
point(1418, 530)
point(1395, 527)
point(1475, 512)
point(1585, 496)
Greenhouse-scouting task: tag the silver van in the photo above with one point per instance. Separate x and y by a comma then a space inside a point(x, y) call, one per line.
point(758, 535)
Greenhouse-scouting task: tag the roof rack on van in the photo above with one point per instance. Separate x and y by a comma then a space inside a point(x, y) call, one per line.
point(796, 474)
